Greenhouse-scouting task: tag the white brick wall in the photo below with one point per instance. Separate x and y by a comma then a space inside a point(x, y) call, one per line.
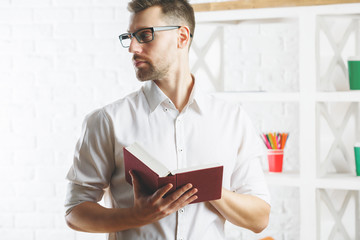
point(59, 60)
point(266, 58)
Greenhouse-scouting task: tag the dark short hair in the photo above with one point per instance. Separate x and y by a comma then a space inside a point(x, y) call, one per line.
point(172, 9)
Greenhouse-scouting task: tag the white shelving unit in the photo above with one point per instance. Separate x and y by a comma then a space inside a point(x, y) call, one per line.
point(339, 181)
point(317, 185)
point(283, 179)
point(259, 96)
point(345, 96)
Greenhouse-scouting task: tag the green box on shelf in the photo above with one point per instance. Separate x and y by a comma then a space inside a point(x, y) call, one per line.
point(354, 72)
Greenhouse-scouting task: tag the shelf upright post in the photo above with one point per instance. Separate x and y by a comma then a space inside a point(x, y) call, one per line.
point(307, 115)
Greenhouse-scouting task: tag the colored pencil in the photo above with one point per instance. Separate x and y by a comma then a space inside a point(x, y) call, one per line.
point(275, 140)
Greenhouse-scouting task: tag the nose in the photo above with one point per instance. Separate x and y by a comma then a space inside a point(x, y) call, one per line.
point(135, 46)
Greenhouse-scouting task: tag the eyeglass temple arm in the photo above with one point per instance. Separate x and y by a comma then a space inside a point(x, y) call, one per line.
point(168, 28)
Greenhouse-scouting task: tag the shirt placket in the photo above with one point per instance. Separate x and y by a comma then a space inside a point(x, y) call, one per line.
point(180, 149)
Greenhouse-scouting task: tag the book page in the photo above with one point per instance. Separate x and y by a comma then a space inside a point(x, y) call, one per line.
point(148, 160)
point(188, 169)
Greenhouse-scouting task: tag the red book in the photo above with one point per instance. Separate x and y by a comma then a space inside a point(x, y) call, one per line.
point(154, 175)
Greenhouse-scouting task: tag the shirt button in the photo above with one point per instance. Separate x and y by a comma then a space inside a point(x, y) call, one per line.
point(181, 210)
point(165, 109)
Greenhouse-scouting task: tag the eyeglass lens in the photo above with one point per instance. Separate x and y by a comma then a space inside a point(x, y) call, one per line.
point(142, 36)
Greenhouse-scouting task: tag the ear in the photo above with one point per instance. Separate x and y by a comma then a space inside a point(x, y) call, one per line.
point(184, 37)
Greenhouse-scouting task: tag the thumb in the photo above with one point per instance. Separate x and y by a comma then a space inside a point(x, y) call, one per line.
point(135, 183)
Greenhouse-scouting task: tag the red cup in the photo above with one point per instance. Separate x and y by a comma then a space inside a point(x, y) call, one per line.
point(275, 159)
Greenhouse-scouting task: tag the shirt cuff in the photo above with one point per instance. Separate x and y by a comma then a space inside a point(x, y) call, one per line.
point(77, 194)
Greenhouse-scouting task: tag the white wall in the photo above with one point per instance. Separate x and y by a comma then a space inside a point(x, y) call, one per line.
point(59, 60)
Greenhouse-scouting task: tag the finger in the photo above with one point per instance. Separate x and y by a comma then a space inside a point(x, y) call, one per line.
point(161, 192)
point(178, 193)
point(135, 183)
point(189, 196)
point(185, 199)
point(188, 201)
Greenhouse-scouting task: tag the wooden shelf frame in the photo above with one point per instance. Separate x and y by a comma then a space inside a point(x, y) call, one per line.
point(252, 4)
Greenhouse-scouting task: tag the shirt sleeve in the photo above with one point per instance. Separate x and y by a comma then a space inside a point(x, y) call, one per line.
point(93, 161)
point(248, 176)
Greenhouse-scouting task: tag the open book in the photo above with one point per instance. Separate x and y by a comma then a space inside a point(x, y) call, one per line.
point(154, 175)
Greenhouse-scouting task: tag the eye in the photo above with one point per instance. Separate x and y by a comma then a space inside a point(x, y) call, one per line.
point(145, 35)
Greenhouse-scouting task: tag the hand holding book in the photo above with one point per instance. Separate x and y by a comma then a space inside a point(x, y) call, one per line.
point(151, 208)
point(154, 175)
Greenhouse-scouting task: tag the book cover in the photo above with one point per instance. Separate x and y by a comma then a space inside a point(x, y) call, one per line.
point(154, 175)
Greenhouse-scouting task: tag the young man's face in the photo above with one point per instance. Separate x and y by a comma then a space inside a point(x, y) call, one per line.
point(152, 60)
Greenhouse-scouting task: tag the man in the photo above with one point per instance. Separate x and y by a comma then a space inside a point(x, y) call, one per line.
point(179, 125)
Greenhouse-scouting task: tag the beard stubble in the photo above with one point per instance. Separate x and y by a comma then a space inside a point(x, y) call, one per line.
point(149, 71)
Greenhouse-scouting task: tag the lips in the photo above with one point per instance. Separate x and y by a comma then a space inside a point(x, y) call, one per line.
point(138, 61)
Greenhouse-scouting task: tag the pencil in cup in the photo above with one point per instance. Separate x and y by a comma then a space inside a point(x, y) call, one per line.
point(275, 143)
point(275, 140)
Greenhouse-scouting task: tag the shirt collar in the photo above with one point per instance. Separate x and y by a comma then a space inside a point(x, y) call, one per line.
point(155, 96)
point(197, 98)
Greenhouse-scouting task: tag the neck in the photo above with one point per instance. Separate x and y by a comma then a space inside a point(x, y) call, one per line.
point(177, 87)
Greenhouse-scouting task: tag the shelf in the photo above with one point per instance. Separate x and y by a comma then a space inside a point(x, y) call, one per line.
point(250, 4)
point(259, 96)
point(237, 15)
point(283, 179)
point(339, 181)
point(344, 96)
point(334, 181)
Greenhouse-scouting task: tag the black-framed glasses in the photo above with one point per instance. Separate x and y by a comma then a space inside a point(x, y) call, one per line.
point(144, 35)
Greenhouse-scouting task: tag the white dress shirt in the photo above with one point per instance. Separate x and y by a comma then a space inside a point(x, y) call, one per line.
point(208, 130)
